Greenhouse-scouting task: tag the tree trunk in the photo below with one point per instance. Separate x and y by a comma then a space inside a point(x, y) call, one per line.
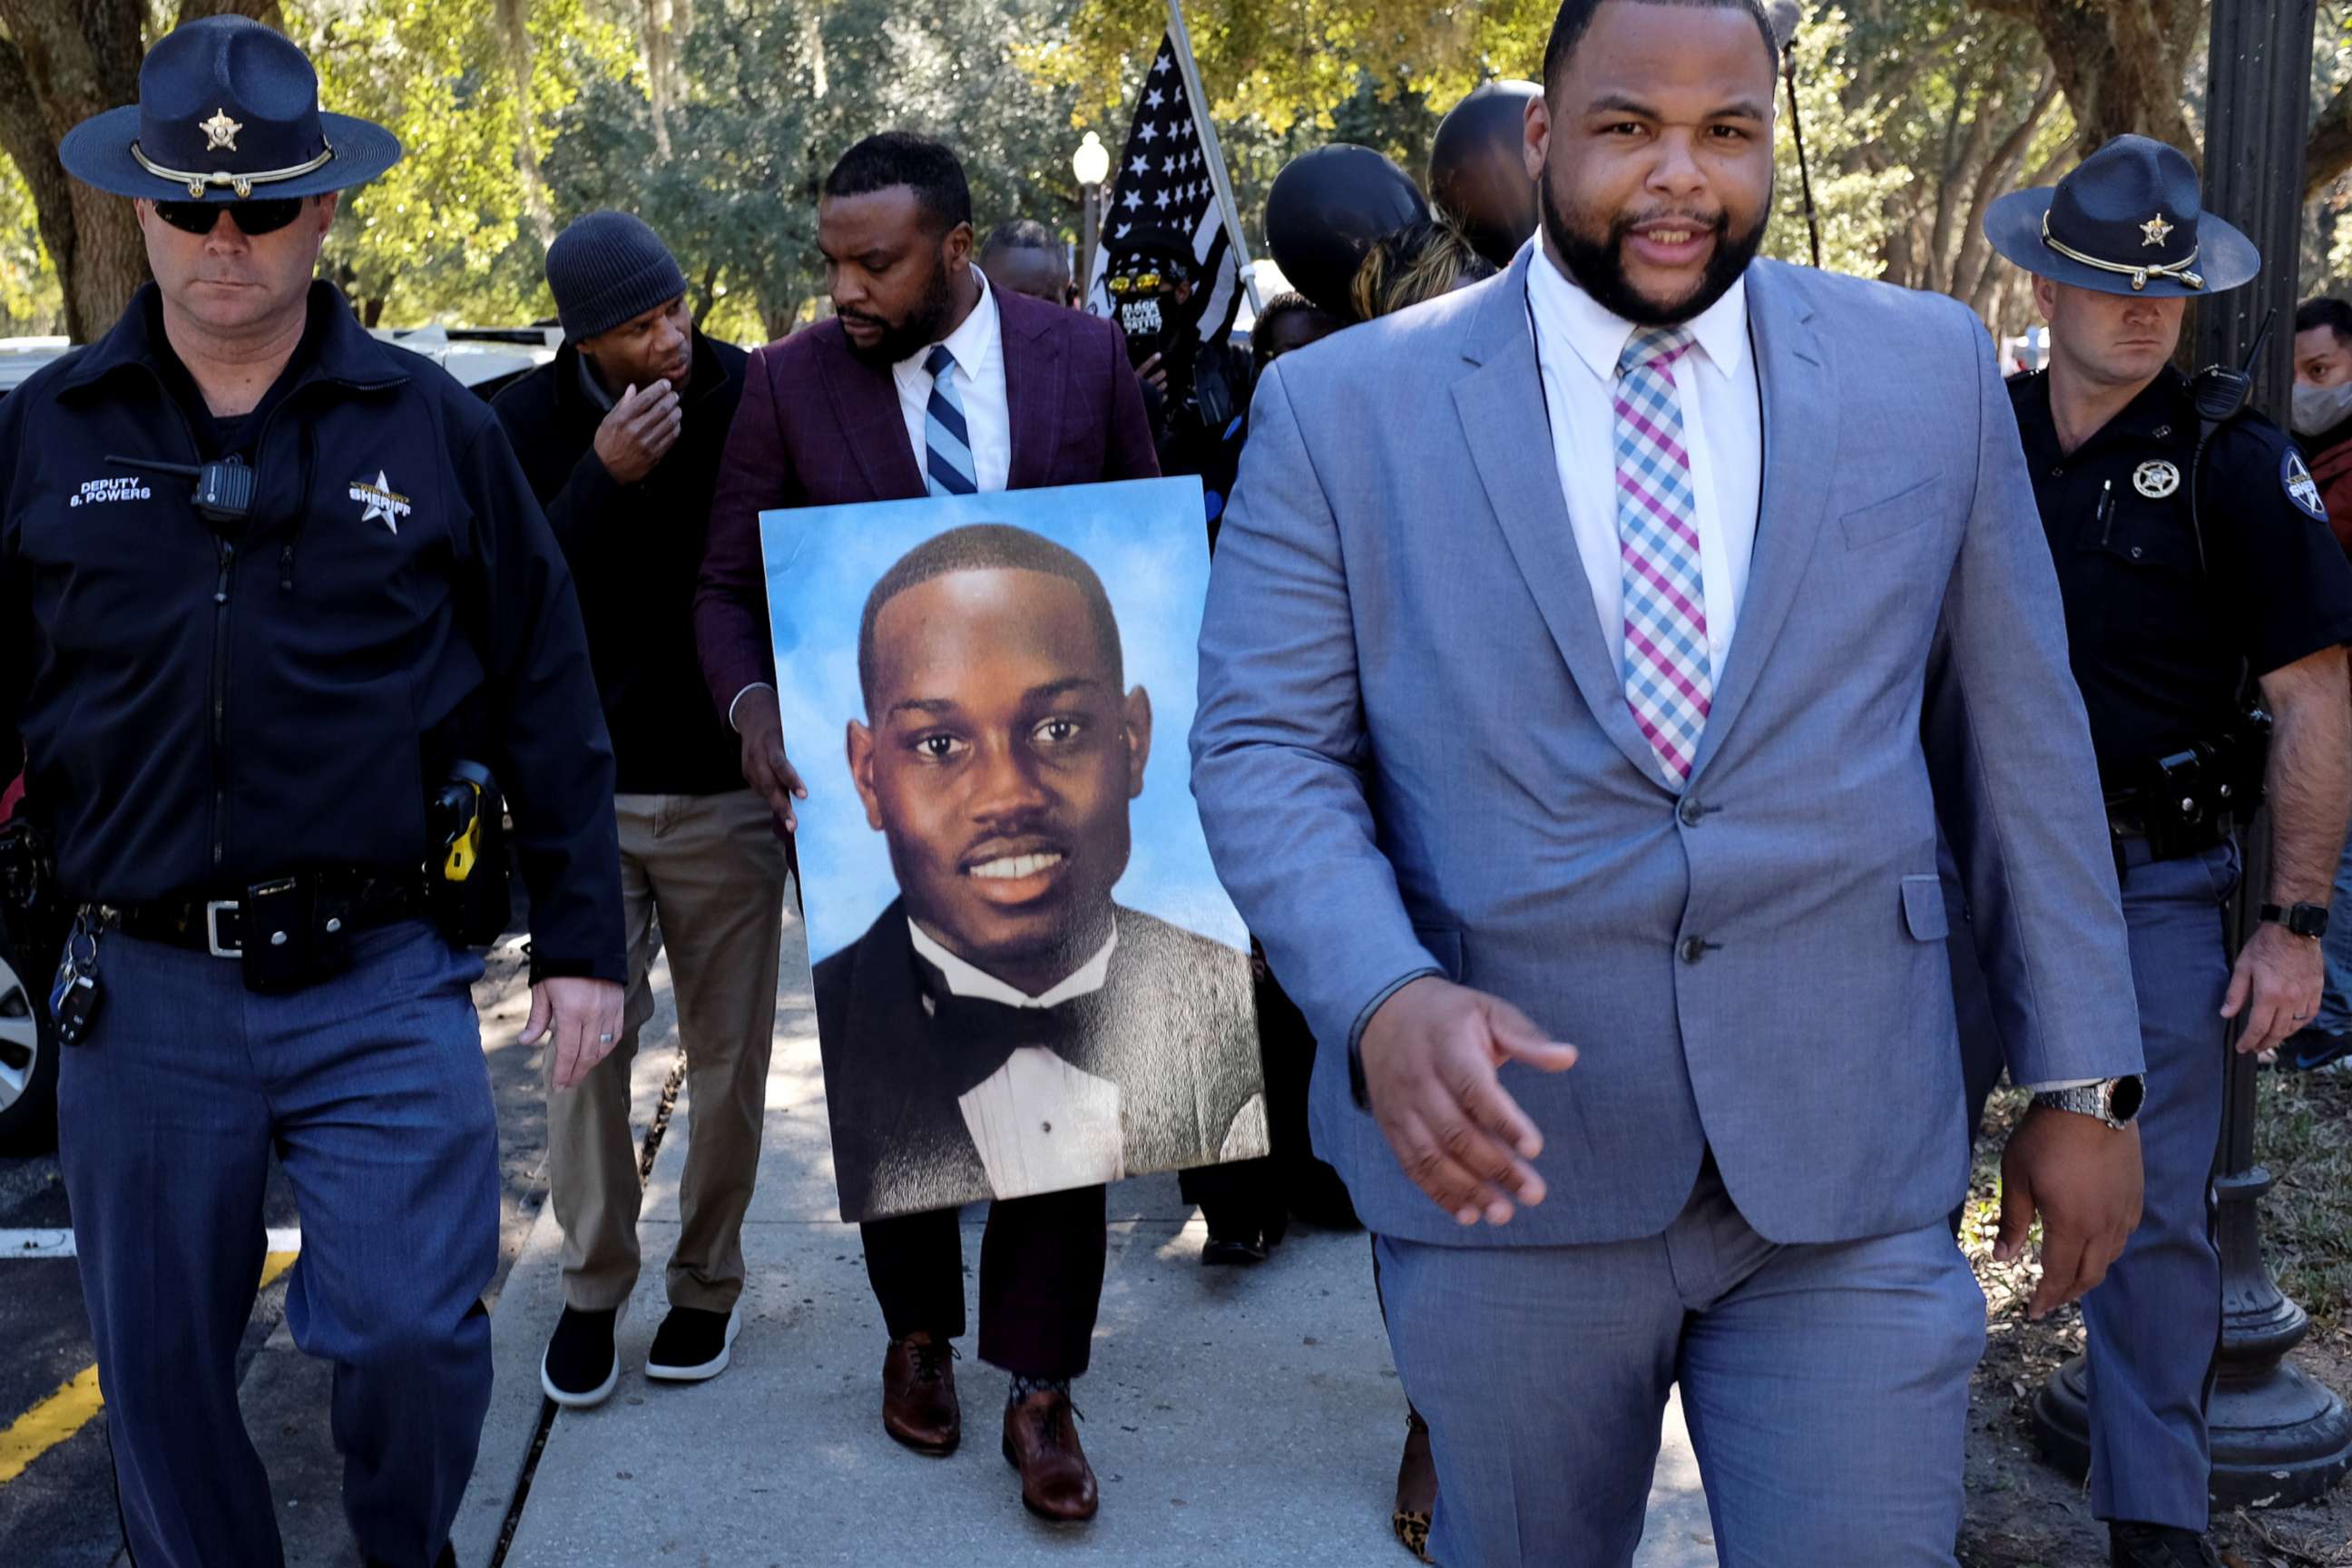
point(707, 295)
point(2329, 152)
point(1998, 176)
point(514, 29)
point(2120, 63)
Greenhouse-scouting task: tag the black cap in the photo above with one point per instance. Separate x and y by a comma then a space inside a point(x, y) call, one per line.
point(606, 269)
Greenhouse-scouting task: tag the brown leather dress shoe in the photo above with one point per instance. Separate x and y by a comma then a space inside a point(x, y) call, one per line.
point(918, 1394)
point(1041, 1441)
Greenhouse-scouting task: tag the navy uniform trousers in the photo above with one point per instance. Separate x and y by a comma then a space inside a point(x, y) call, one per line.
point(373, 1091)
point(2155, 1322)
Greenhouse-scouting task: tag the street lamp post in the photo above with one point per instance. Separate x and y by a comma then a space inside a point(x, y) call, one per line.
point(1091, 163)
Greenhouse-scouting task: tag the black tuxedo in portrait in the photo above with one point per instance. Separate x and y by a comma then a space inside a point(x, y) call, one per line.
point(1171, 1026)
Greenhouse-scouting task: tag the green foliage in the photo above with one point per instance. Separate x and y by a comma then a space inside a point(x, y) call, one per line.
point(437, 237)
point(1855, 198)
point(31, 302)
point(773, 94)
point(1279, 65)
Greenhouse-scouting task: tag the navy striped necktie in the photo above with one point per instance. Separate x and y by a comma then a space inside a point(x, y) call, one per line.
point(948, 467)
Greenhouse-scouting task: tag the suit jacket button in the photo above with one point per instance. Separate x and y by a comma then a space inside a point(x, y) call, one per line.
point(1694, 949)
point(1690, 812)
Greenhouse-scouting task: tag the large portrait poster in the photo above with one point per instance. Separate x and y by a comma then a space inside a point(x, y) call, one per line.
point(1028, 978)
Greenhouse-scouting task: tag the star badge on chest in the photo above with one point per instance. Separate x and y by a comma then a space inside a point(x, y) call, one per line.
point(380, 502)
point(2156, 480)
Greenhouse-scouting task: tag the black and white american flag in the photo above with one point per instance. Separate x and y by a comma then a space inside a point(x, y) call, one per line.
point(1162, 181)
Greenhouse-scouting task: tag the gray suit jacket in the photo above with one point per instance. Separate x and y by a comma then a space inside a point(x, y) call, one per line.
point(1413, 755)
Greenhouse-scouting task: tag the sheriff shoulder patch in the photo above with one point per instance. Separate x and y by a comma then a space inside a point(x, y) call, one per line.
point(2301, 487)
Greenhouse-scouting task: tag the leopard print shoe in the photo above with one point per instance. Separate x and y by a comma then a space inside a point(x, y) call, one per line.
point(1416, 1491)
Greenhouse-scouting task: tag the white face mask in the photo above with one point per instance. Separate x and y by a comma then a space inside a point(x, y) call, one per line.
point(2315, 410)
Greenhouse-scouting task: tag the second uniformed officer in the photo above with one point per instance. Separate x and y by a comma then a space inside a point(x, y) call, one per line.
point(261, 699)
point(2198, 572)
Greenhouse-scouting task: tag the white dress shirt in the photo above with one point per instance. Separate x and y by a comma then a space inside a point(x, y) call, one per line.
point(1578, 342)
point(1040, 1124)
point(979, 376)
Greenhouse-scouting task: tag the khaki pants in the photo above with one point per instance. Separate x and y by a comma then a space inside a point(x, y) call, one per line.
point(702, 877)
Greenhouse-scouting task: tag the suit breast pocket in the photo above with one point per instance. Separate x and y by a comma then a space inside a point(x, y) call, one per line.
point(1907, 509)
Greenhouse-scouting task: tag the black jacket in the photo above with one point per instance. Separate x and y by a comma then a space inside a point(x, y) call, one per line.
point(201, 711)
point(637, 554)
point(1172, 1026)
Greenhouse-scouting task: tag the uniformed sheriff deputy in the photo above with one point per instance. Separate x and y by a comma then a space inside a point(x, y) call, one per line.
point(247, 699)
point(2198, 575)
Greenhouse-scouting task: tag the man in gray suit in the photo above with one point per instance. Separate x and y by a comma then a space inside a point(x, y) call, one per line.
point(1562, 681)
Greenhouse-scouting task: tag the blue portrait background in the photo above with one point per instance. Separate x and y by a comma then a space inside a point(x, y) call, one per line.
point(1144, 538)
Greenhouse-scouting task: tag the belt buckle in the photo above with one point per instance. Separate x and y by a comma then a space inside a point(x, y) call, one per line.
point(212, 929)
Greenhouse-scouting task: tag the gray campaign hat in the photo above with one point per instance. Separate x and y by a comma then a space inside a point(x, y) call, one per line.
point(228, 110)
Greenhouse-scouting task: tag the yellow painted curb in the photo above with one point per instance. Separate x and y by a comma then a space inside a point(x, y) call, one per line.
point(66, 1411)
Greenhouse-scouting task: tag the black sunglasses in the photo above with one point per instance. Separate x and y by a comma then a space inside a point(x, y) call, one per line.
point(251, 218)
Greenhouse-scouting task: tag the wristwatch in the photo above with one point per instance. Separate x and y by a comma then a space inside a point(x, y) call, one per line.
point(2113, 1101)
point(2303, 919)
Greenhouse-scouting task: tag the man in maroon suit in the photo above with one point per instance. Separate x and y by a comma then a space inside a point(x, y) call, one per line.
point(926, 381)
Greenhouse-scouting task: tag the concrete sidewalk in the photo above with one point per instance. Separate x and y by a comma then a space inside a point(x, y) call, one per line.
point(1249, 1415)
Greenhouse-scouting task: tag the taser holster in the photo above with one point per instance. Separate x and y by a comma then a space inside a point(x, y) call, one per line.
point(467, 874)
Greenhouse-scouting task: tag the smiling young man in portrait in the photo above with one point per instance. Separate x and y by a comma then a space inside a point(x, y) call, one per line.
point(1006, 1028)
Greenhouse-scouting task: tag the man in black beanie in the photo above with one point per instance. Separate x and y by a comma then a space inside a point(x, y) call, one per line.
point(621, 436)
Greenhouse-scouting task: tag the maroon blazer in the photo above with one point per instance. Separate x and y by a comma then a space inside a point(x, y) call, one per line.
point(818, 426)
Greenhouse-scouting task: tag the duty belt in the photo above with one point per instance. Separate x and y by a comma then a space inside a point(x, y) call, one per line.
point(354, 900)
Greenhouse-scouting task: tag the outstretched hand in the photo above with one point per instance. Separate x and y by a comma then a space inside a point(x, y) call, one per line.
point(1432, 1057)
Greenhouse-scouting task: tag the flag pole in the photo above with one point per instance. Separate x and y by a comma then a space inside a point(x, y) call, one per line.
point(1206, 123)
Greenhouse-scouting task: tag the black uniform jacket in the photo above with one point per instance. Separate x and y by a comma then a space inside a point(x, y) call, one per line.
point(1172, 1027)
point(635, 552)
point(204, 709)
point(2164, 619)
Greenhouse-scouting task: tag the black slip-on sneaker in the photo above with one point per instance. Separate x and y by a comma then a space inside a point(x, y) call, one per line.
point(693, 1344)
point(581, 1367)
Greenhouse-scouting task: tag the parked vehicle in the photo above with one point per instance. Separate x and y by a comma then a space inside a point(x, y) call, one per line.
point(30, 935)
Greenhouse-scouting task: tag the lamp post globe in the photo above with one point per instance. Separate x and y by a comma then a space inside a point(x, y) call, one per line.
point(1091, 163)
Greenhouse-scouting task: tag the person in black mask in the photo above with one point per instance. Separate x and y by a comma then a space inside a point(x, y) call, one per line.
point(1193, 390)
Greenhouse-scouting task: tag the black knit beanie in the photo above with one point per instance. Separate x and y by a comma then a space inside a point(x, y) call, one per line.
point(607, 267)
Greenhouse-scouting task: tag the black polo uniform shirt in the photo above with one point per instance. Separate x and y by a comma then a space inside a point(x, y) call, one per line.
point(2159, 638)
point(205, 708)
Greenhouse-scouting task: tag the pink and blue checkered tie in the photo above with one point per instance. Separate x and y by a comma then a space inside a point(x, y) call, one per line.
point(1668, 680)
